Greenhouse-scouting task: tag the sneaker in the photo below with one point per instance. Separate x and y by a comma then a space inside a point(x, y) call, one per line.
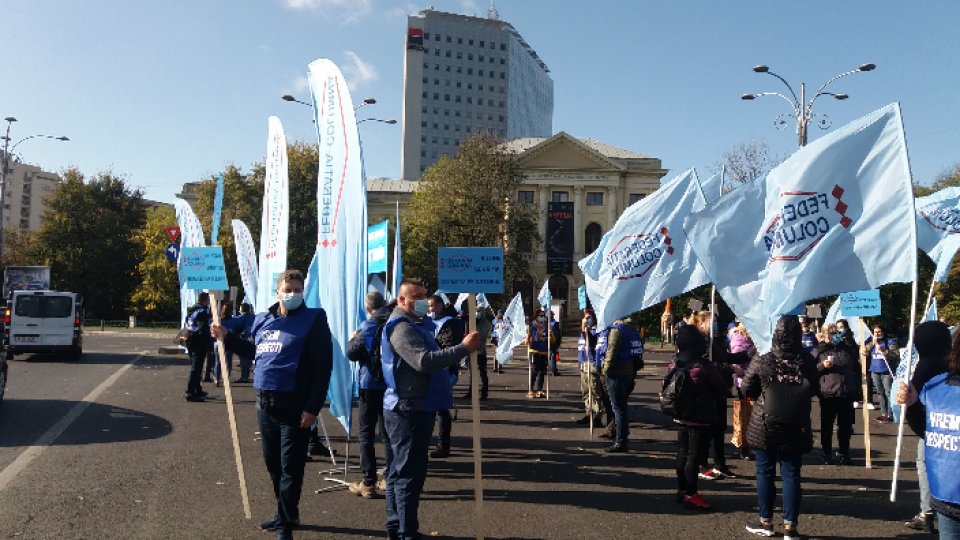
point(616, 448)
point(362, 489)
point(843, 459)
point(696, 502)
point(856, 404)
point(871, 406)
point(790, 534)
point(760, 528)
point(725, 472)
point(196, 398)
point(710, 474)
point(382, 484)
point(828, 458)
point(921, 522)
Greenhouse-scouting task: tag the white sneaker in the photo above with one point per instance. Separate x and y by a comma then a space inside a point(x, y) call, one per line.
point(871, 407)
point(856, 404)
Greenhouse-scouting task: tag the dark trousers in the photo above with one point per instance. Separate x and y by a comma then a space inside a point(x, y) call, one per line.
point(619, 388)
point(284, 445)
point(553, 362)
point(539, 369)
point(197, 356)
point(409, 434)
point(371, 413)
point(211, 361)
point(446, 428)
point(692, 450)
point(839, 410)
point(717, 438)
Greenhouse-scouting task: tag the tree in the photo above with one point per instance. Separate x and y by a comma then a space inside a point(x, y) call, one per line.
point(157, 297)
point(745, 162)
point(18, 247)
point(88, 240)
point(468, 201)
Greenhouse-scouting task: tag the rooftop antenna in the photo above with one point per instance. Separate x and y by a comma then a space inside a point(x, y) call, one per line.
point(492, 13)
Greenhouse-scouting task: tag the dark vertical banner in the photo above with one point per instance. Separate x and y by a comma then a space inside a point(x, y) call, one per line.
point(560, 235)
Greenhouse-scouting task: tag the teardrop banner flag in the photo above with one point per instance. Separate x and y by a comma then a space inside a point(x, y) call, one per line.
point(275, 216)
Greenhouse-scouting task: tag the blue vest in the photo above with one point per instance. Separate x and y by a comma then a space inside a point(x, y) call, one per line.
point(878, 363)
point(280, 342)
point(369, 332)
point(538, 340)
point(942, 451)
point(808, 341)
point(583, 344)
point(439, 390)
point(631, 344)
point(197, 318)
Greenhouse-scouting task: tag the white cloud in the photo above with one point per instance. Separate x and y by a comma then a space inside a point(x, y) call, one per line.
point(301, 84)
point(349, 10)
point(357, 72)
point(469, 7)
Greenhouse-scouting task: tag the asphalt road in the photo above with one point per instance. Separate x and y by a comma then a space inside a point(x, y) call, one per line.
point(108, 448)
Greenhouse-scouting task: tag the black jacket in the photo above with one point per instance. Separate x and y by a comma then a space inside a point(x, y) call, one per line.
point(844, 379)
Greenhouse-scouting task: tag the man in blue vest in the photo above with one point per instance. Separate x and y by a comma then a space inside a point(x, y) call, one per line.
point(418, 385)
point(621, 348)
point(294, 355)
point(448, 331)
point(198, 344)
point(360, 350)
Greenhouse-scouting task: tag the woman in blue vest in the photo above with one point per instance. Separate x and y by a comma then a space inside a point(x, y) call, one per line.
point(537, 334)
point(934, 415)
point(621, 349)
point(881, 359)
point(294, 355)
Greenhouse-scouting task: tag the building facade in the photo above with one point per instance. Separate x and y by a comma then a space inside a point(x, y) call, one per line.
point(464, 75)
point(25, 190)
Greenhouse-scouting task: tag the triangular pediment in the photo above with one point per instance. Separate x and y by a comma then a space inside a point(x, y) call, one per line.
point(563, 151)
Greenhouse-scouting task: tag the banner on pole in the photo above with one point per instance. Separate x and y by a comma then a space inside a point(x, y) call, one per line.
point(377, 247)
point(217, 210)
point(560, 236)
point(203, 268)
point(474, 270)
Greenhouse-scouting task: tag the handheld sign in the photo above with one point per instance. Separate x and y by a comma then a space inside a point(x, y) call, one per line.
point(470, 270)
point(203, 268)
point(860, 303)
point(814, 311)
point(695, 305)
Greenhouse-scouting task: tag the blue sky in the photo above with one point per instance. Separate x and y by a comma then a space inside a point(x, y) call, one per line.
point(170, 92)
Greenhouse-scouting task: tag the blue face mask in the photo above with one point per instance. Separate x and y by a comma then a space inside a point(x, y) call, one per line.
point(836, 338)
point(291, 301)
point(421, 307)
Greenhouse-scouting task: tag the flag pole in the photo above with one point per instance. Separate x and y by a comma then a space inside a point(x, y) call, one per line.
point(549, 350)
point(926, 307)
point(903, 411)
point(868, 462)
point(586, 340)
point(475, 405)
point(713, 293)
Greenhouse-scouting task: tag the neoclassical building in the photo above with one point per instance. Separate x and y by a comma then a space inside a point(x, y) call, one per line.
point(580, 186)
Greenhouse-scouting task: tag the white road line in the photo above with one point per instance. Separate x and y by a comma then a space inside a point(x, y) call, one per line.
point(10, 473)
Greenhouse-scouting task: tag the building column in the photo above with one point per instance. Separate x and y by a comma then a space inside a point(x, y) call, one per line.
point(612, 206)
point(578, 222)
point(542, 252)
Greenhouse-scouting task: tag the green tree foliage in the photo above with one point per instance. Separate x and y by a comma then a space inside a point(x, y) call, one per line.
point(18, 248)
point(468, 201)
point(157, 297)
point(88, 240)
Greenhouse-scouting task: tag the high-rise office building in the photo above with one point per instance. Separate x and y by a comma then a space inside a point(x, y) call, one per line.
point(464, 75)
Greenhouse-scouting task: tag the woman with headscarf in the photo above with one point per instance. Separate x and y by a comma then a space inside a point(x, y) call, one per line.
point(783, 382)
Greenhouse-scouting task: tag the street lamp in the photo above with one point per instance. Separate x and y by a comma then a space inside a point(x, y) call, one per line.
point(364, 103)
point(802, 109)
point(390, 121)
point(5, 164)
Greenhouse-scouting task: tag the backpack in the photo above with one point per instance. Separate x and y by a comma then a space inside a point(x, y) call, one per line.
point(374, 359)
point(631, 338)
point(787, 404)
point(675, 394)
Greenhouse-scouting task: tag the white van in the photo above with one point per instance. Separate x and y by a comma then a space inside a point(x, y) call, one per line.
point(43, 322)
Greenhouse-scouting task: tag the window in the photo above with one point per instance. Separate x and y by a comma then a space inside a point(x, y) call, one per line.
point(594, 198)
point(436, 37)
point(591, 237)
point(449, 39)
point(469, 57)
point(503, 46)
point(560, 196)
point(480, 87)
point(448, 54)
point(426, 35)
point(446, 127)
point(480, 57)
point(459, 55)
point(525, 197)
point(480, 101)
point(457, 98)
point(446, 97)
point(503, 75)
point(426, 80)
point(503, 62)
point(423, 124)
point(480, 72)
point(424, 95)
point(469, 71)
point(459, 41)
point(436, 52)
point(470, 43)
point(636, 197)
point(481, 44)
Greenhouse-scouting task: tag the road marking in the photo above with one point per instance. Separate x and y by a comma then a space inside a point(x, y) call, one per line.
point(11, 471)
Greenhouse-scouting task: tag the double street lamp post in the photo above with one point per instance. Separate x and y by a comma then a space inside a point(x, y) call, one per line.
point(364, 103)
point(803, 109)
point(8, 150)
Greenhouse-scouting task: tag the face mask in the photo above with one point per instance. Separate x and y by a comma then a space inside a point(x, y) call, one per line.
point(589, 321)
point(836, 338)
point(841, 331)
point(420, 307)
point(542, 319)
point(291, 301)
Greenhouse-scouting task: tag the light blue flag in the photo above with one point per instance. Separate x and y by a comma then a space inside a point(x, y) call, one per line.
point(217, 209)
point(376, 285)
point(377, 247)
point(443, 296)
point(461, 298)
point(545, 298)
point(645, 258)
point(932, 311)
point(712, 188)
point(397, 256)
point(482, 302)
point(511, 330)
point(938, 228)
point(818, 224)
point(582, 297)
point(191, 235)
point(246, 257)
point(339, 267)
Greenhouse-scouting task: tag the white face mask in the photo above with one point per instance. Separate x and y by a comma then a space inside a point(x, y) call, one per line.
point(421, 307)
point(291, 301)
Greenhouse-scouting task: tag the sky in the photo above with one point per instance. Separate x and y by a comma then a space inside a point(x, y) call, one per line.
point(163, 93)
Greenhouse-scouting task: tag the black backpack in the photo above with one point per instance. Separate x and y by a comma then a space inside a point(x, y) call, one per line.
point(676, 392)
point(787, 404)
point(374, 359)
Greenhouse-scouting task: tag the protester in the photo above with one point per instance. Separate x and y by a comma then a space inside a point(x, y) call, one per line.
point(697, 415)
point(727, 364)
point(932, 412)
point(555, 336)
point(932, 341)
point(294, 355)
point(484, 328)
point(591, 380)
point(809, 335)
point(198, 344)
point(500, 328)
point(846, 337)
point(881, 359)
point(448, 331)
point(740, 343)
point(621, 348)
point(783, 382)
point(226, 319)
point(371, 388)
point(537, 336)
point(243, 326)
point(840, 385)
point(418, 385)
